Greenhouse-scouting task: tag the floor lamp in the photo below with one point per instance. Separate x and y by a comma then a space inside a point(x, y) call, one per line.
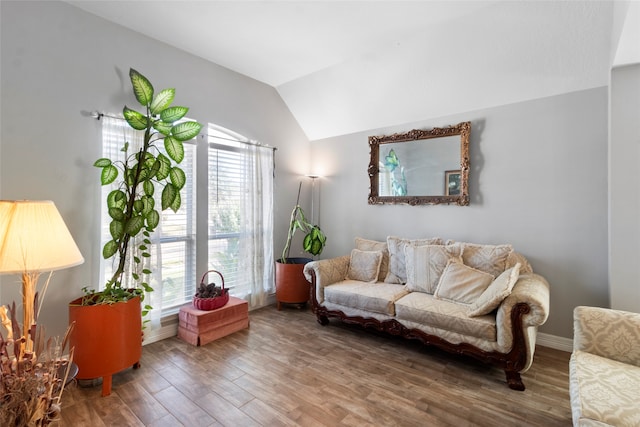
point(33, 239)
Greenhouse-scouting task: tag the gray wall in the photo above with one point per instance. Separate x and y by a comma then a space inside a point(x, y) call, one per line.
point(538, 180)
point(59, 62)
point(624, 188)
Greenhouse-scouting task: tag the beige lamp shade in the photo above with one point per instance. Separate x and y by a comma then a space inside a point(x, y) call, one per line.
point(34, 238)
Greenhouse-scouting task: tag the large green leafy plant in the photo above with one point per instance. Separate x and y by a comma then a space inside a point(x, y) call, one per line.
point(314, 239)
point(131, 205)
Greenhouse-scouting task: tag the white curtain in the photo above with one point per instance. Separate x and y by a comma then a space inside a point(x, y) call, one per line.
point(256, 262)
point(115, 132)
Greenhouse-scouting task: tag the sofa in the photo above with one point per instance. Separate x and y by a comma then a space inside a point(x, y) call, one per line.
point(482, 301)
point(604, 369)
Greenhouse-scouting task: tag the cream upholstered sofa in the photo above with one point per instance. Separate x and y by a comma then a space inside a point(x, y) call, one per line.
point(604, 370)
point(482, 301)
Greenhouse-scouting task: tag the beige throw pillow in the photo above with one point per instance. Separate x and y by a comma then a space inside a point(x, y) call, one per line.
point(425, 265)
point(461, 283)
point(491, 259)
point(372, 245)
point(364, 265)
point(495, 293)
point(397, 264)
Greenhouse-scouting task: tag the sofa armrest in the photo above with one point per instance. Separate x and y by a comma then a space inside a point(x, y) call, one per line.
point(533, 290)
point(326, 272)
point(614, 334)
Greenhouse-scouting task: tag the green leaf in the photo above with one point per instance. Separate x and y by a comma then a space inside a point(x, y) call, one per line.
point(134, 225)
point(108, 175)
point(135, 276)
point(116, 228)
point(148, 186)
point(153, 219)
point(169, 194)
point(186, 131)
point(101, 163)
point(178, 178)
point(116, 213)
point(162, 127)
point(116, 199)
point(162, 100)
point(146, 271)
point(138, 205)
point(148, 203)
point(109, 249)
point(173, 114)
point(174, 149)
point(136, 120)
point(165, 167)
point(175, 206)
point(142, 87)
point(146, 288)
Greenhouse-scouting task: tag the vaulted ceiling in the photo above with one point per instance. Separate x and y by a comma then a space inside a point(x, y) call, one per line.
point(349, 66)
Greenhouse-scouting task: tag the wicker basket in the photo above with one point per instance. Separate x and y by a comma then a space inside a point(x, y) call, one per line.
point(207, 304)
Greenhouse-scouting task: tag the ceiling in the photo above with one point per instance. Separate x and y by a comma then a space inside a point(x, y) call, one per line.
point(348, 66)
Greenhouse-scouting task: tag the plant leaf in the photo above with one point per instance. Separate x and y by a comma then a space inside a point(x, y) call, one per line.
point(142, 87)
point(162, 127)
point(100, 163)
point(148, 187)
point(186, 131)
point(178, 178)
point(165, 167)
point(177, 201)
point(116, 199)
point(134, 225)
point(174, 148)
point(135, 119)
point(173, 114)
point(153, 219)
point(116, 213)
point(162, 100)
point(168, 196)
point(108, 175)
point(116, 228)
point(110, 248)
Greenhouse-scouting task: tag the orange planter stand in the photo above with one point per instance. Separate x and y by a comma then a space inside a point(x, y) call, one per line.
point(106, 339)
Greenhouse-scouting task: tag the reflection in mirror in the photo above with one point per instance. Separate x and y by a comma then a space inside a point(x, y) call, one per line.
point(421, 167)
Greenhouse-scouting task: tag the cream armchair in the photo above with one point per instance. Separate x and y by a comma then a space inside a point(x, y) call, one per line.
point(605, 368)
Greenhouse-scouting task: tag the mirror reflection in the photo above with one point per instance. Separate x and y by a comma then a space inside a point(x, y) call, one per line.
point(421, 167)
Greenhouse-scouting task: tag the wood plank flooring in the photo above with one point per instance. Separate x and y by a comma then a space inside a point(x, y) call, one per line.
point(287, 370)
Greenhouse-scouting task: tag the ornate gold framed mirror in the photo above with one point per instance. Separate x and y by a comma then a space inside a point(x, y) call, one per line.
point(421, 167)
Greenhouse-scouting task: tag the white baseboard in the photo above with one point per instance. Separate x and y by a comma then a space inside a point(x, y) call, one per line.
point(552, 341)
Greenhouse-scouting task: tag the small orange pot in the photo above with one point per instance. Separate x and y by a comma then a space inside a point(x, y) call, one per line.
point(291, 285)
point(106, 339)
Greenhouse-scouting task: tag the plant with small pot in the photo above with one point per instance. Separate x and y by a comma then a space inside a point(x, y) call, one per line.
point(132, 208)
point(291, 285)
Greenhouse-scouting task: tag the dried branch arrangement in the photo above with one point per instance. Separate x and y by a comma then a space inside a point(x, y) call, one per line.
point(31, 383)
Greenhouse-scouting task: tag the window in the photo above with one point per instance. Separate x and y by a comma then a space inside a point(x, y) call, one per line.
point(238, 205)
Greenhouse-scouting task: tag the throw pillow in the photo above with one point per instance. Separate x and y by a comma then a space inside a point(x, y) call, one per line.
point(495, 293)
point(425, 265)
point(364, 265)
point(372, 245)
point(461, 283)
point(491, 259)
point(397, 264)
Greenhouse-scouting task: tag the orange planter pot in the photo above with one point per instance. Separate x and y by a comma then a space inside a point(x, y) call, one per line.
point(106, 339)
point(291, 285)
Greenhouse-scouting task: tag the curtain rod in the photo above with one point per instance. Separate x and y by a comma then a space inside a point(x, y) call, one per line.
point(98, 115)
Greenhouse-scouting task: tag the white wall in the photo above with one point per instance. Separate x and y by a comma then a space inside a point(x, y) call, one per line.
point(538, 180)
point(624, 188)
point(58, 63)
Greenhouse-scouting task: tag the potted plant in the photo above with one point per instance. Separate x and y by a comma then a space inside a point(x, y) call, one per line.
point(108, 330)
point(291, 285)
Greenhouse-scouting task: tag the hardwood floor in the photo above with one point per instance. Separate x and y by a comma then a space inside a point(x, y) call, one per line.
point(287, 370)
